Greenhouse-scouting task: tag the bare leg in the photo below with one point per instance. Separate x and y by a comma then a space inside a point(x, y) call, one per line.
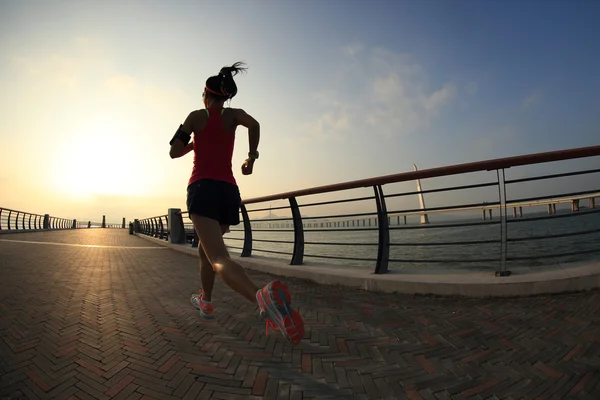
point(207, 273)
point(232, 273)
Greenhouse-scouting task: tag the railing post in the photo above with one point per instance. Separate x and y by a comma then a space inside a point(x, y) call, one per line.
point(74, 226)
point(175, 226)
point(247, 250)
point(383, 251)
point(123, 224)
point(298, 254)
point(46, 222)
point(136, 225)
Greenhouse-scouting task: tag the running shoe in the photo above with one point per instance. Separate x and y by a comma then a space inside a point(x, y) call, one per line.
point(274, 300)
point(205, 307)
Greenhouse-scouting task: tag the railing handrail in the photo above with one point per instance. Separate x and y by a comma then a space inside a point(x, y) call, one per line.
point(21, 212)
point(494, 164)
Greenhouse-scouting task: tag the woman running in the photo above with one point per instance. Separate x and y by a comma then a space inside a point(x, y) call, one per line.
point(213, 201)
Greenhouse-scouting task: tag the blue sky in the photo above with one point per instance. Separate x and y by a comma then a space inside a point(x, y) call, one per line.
point(343, 90)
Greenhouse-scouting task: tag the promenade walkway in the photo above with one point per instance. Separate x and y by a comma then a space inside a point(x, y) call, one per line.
point(98, 313)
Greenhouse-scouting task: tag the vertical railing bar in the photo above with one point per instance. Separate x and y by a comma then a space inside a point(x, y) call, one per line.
point(298, 254)
point(9, 213)
point(168, 231)
point(0, 219)
point(505, 255)
point(383, 248)
point(247, 250)
point(499, 271)
point(23, 221)
point(502, 208)
point(29, 222)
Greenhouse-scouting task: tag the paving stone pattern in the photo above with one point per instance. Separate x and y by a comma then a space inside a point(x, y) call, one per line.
point(116, 322)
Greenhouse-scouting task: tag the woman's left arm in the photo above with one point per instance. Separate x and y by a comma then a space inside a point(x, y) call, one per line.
point(181, 144)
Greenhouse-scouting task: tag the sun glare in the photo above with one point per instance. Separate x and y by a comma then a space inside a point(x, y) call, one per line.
point(97, 161)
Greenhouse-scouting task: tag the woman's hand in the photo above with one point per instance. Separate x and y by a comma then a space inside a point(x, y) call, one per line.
point(247, 166)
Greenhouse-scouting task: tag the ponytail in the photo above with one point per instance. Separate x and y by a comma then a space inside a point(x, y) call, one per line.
point(223, 84)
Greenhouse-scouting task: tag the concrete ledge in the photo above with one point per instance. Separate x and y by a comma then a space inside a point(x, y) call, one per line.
point(559, 278)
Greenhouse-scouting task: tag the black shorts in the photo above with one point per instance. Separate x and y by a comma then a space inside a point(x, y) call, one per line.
point(213, 199)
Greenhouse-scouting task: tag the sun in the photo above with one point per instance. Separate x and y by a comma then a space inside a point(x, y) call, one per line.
point(96, 161)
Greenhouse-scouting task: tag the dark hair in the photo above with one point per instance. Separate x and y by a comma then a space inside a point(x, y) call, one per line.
point(223, 83)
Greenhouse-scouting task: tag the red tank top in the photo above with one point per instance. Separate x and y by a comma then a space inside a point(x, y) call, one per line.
point(213, 150)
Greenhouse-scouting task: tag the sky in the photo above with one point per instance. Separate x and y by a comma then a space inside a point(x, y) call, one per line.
point(92, 92)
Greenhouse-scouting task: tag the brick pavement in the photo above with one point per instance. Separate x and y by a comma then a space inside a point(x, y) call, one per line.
point(115, 322)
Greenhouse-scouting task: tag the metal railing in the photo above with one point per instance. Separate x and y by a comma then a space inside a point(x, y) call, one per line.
point(154, 226)
point(21, 221)
point(15, 220)
point(379, 227)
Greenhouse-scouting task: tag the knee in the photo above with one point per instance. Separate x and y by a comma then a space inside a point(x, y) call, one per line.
point(219, 263)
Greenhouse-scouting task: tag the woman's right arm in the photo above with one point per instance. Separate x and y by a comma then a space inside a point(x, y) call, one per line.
point(245, 119)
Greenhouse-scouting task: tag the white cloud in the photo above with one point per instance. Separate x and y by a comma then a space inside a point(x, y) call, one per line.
point(377, 90)
point(354, 49)
point(532, 99)
point(61, 71)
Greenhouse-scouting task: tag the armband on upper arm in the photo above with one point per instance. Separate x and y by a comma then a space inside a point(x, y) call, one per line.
point(181, 135)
